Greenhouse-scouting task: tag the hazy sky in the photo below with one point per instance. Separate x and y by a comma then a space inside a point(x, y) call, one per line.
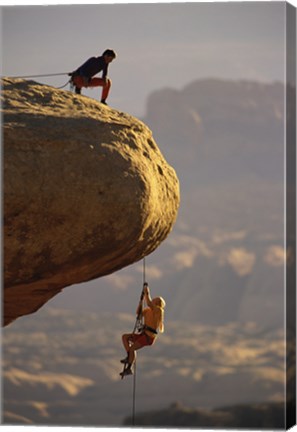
point(158, 45)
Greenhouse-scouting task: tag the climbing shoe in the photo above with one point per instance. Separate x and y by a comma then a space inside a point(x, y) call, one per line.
point(126, 372)
point(125, 360)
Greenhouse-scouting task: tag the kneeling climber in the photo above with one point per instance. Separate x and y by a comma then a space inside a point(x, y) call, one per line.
point(83, 76)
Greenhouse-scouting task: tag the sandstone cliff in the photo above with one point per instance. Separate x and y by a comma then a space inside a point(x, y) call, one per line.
point(86, 192)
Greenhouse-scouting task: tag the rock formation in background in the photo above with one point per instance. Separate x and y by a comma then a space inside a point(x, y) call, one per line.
point(86, 193)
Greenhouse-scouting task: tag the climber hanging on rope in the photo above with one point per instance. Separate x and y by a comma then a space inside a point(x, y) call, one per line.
point(153, 316)
point(83, 76)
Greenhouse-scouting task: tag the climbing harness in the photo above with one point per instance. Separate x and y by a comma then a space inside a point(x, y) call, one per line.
point(152, 330)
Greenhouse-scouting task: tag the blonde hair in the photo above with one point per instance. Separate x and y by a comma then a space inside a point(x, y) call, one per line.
point(160, 304)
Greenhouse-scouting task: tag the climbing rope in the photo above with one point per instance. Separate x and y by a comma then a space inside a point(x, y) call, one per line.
point(138, 326)
point(134, 395)
point(143, 271)
point(134, 375)
point(36, 76)
point(64, 85)
point(46, 75)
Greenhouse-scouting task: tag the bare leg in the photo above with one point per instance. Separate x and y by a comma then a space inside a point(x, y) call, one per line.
point(132, 353)
point(125, 340)
point(131, 349)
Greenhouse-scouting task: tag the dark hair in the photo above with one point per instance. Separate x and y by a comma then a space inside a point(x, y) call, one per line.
point(109, 53)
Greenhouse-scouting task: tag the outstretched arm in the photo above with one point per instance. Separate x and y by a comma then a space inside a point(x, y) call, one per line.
point(147, 296)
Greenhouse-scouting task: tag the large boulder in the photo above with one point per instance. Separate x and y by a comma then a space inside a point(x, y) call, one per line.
point(86, 192)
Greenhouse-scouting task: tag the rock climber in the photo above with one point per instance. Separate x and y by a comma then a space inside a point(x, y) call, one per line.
point(83, 76)
point(153, 316)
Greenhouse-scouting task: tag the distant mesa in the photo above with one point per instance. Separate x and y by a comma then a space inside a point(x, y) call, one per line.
point(230, 129)
point(268, 415)
point(86, 193)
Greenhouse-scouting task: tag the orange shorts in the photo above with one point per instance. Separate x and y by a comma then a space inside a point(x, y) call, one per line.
point(142, 338)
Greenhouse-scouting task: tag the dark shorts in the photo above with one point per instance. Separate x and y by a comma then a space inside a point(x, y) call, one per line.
point(142, 338)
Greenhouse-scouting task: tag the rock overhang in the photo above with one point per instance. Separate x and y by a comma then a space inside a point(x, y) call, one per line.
point(86, 192)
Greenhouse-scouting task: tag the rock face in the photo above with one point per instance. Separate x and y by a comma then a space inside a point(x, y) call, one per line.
point(86, 192)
